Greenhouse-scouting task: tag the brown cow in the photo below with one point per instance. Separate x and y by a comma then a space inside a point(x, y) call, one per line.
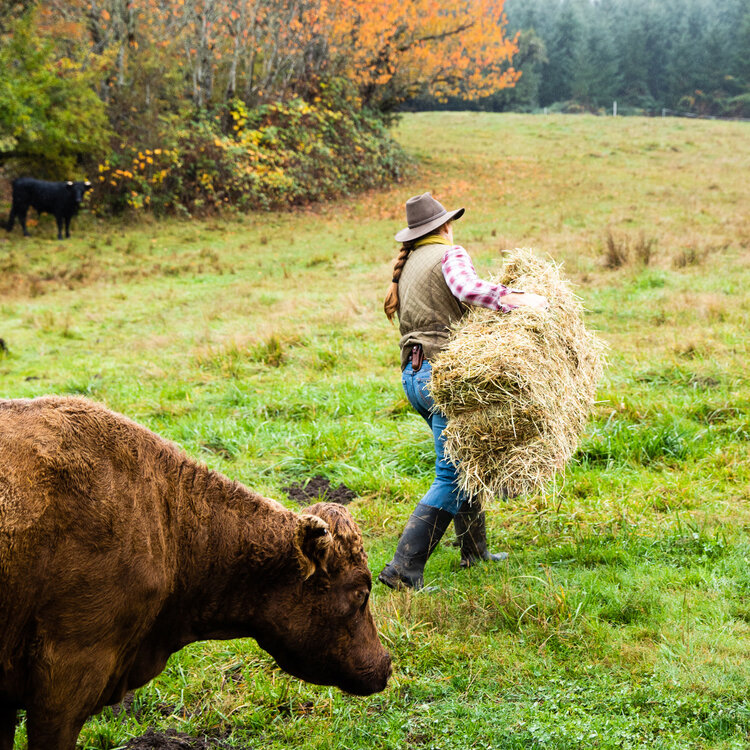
point(117, 549)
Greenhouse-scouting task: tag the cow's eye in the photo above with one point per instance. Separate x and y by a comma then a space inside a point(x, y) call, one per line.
point(361, 597)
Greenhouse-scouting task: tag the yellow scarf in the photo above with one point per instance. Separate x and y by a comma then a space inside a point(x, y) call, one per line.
point(432, 239)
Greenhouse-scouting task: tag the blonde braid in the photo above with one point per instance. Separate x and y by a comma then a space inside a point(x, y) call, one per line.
point(390, 306)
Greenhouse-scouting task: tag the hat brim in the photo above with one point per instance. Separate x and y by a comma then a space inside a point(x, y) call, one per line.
point(408, 234)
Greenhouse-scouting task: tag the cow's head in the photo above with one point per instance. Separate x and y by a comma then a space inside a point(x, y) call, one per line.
point(78, 189)
point(325, 631)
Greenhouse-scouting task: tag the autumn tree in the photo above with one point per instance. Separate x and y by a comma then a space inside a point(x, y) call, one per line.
point(394, 50)
point(12, 10)
point(50, 117)
point(224, 99)
point(266, 50)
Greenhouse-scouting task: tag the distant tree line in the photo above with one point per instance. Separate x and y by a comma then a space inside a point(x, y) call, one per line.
point(199, 105)
point(648, 55)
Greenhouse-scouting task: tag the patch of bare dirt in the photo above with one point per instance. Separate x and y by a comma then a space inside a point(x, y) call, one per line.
point(319, 489)
point(173, 740)
point(128, 707)
point(169, 740)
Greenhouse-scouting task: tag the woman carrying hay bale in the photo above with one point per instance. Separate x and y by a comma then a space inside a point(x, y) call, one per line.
point(433, 285)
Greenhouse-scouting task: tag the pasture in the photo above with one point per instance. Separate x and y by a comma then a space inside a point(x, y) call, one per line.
point(258, 343)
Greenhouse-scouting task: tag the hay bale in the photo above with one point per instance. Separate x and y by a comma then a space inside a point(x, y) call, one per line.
point(517, 388)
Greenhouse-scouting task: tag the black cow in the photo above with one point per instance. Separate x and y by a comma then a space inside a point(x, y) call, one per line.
point(61, 199)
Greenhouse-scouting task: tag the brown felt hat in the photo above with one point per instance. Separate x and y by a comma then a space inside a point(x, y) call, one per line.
point(423, 214)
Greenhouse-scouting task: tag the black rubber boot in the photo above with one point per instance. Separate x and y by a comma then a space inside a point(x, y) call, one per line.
point(421, 535)
point(471, 534)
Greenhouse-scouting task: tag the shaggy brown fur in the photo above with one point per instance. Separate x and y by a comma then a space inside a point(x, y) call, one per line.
point(117, 549)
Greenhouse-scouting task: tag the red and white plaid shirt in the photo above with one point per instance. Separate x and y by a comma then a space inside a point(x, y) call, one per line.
point(462, 280)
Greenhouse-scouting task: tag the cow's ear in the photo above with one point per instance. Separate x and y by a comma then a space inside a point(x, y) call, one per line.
point(312, 544)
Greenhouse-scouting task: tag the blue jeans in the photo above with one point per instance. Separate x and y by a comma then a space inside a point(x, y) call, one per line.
point(444, 492)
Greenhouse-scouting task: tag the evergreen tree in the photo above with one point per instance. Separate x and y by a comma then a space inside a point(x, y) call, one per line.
point(649, 54)
point(562, 52)
point(684, 69)
point(524, 96)
point(740, 55)
point(596, 77)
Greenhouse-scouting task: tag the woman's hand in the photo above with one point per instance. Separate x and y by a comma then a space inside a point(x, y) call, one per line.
point(527, 299)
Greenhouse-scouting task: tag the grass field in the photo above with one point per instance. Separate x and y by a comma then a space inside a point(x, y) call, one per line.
point(622, 619)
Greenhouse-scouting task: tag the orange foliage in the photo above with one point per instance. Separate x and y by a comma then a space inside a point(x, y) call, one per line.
point(451, 47)
point(390, 49)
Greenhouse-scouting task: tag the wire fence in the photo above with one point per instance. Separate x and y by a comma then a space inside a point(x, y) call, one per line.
point(676, 113)
point(629, 111)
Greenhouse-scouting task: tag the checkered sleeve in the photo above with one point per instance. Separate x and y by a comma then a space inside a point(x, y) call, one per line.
point(462, 280)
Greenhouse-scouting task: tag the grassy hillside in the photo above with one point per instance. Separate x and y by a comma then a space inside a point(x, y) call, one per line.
point(622, 618)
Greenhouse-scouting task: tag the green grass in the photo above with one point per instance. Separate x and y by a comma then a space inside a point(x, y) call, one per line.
point(258, 343)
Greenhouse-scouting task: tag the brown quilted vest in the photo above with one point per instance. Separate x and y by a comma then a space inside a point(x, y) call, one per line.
point(426, 307)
